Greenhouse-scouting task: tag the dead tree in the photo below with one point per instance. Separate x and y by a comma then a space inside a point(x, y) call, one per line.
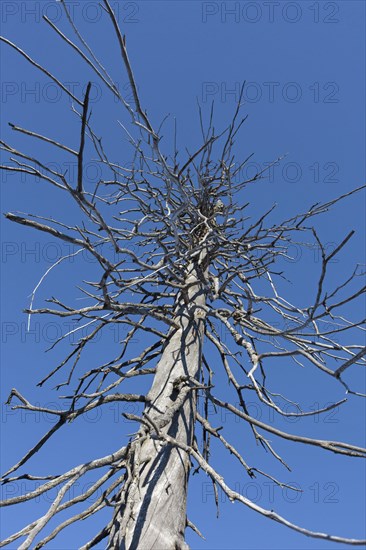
point(186, 262)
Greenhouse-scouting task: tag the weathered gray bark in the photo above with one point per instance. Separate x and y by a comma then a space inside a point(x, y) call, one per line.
point(152, 514)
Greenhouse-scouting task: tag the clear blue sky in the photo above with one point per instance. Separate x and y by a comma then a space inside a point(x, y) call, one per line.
point(304, 67)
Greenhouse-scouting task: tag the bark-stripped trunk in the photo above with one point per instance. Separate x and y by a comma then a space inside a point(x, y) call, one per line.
point(152, 514)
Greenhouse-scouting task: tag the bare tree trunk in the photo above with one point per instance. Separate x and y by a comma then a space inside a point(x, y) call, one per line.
point(152, 509)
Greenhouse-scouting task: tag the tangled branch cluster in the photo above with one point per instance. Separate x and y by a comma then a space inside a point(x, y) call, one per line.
point(158, 216)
